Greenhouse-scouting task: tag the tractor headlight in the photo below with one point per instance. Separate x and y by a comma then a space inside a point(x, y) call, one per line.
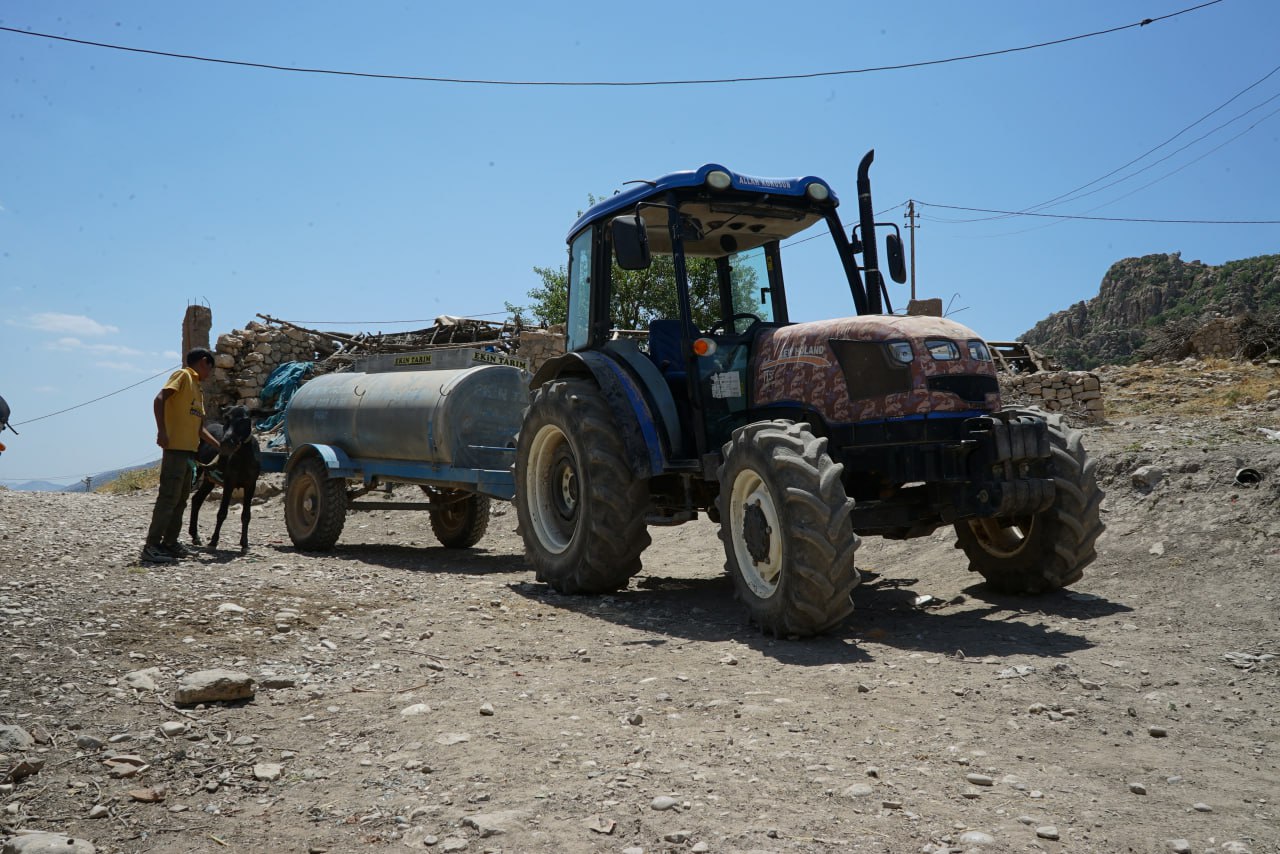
point(900, 351)
point(817, 192)
point(718, 180)
point(979, 352)
point(942, 349)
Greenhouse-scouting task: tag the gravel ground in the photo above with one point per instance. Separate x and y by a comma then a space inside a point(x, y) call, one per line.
point(411, 697)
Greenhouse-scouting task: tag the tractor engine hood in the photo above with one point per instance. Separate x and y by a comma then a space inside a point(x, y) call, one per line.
point(872, 367)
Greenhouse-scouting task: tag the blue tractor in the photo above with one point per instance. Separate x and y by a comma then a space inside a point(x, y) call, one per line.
point(796, 438)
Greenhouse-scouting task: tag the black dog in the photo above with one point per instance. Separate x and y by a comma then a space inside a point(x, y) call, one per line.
point(235, 464)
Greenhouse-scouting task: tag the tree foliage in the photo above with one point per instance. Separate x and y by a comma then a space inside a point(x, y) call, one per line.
point(640, 295)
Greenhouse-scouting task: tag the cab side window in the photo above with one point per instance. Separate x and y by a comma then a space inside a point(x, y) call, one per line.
point(578, 327)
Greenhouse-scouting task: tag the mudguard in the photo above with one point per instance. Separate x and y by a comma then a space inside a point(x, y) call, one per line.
point(335, 459)
point(646, 436)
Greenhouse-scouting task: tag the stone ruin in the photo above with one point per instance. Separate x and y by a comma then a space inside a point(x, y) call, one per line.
point(244, 358)
point(1077, 393)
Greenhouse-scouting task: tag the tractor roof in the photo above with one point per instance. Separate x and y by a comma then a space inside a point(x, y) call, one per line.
point(626, 200)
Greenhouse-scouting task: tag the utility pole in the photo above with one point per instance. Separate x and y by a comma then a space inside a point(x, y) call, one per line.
point(911, 226)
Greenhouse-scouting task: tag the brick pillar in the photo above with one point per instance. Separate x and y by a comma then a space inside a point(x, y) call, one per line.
point(195, 328)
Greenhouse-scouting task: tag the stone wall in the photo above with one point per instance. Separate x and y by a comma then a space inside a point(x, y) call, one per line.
point(246, 357)
point(539, 345)
point(1076, 392)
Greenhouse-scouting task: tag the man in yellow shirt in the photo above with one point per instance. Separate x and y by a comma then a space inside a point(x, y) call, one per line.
point(179, 412)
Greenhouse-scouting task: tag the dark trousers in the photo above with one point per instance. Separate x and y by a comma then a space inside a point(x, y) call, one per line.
point(177, 470)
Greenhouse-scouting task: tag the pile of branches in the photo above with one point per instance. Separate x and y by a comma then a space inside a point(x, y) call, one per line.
point(1169, 342)
point(1260, 338)
point(1251, 337)
point(447, 332)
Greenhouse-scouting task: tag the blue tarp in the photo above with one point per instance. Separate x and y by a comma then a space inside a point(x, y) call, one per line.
point(279, 389)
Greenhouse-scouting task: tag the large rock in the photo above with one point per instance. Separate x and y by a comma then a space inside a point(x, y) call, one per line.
point(41, 842)
point(214, 686)
point(14, 739)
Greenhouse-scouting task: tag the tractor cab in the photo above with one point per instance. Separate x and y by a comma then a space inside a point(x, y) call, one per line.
point(711, 240)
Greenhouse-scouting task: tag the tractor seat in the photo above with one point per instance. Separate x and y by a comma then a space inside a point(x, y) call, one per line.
point(664, 346)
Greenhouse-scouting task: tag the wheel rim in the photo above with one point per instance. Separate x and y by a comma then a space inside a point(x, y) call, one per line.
point(1002, 537)
point(757, 534)
point(450, 508)
point(305, 502)
point(553, 485)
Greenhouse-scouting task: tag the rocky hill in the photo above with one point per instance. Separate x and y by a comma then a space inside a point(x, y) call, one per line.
point(1141, 300)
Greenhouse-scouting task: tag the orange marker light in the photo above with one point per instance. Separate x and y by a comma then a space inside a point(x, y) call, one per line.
point(703, 347)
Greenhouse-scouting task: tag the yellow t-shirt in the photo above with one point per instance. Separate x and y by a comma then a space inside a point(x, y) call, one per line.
point(184, 410)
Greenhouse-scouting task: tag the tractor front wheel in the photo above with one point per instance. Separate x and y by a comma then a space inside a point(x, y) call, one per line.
point(1046, 550)
point(784, 519)
point(581, 510)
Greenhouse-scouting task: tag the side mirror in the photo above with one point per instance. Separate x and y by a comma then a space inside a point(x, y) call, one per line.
point(897, 263)
point(630, 242)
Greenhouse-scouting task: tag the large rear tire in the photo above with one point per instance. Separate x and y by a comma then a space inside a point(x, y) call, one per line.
point(1046, 550)
point(784, 519)
point(581, 510)
point(459, 519)
point(315, 505)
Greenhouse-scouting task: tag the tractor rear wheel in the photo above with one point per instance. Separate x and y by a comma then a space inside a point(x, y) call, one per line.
point(581, 510)
point(1046, 550)
point(784, 519)
point(459, 519)
point(315, 505)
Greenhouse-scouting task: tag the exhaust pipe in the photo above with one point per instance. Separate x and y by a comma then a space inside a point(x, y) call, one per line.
point(867, 225)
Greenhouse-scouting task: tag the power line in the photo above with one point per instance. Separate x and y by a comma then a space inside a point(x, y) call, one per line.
point(1101, 218)
point(875, 215)
point(1168, 174)
point(1063, 197)
point(622, 83)
point(150, 457)
point(96, 399)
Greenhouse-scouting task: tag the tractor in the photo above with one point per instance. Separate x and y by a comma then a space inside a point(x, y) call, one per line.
point(796, 438)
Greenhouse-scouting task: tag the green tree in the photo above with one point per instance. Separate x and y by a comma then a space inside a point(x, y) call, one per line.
point(642, 295)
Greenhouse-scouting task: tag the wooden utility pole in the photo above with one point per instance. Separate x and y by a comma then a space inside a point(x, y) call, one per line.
point(911, 226)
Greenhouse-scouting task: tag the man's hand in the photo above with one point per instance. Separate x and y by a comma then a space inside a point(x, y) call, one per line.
point(162, 438)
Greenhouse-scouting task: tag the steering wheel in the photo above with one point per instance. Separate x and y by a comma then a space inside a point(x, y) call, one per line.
point(720, 328)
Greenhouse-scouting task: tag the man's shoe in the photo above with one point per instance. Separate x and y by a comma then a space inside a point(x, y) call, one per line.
point(155, 554)
point(177, 550)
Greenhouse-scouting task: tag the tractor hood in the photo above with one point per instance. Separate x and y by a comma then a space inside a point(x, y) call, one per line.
point(872, 367)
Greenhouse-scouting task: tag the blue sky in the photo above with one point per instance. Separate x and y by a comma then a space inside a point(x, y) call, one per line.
point(134, 185)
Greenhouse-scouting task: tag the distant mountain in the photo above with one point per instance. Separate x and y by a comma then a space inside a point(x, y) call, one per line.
point(1139, 297)
point(42, 486)
point(99, 480)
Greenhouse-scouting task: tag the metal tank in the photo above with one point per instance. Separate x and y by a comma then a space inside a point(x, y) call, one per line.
point(463, 417)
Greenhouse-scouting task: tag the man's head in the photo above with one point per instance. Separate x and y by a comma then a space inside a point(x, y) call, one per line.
point(200, 360)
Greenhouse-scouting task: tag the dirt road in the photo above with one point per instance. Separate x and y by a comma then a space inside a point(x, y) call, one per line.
point(414, 698)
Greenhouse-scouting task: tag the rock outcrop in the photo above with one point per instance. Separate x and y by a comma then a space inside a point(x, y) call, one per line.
point(1140, 295)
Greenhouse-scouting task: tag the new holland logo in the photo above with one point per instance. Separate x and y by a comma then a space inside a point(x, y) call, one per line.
point(814, 355)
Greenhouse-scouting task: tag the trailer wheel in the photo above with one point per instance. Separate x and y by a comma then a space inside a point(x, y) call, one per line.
point(581, 510)
point(315, 505)
point(788, 541)
point(1046, 550)
point(458, 518)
